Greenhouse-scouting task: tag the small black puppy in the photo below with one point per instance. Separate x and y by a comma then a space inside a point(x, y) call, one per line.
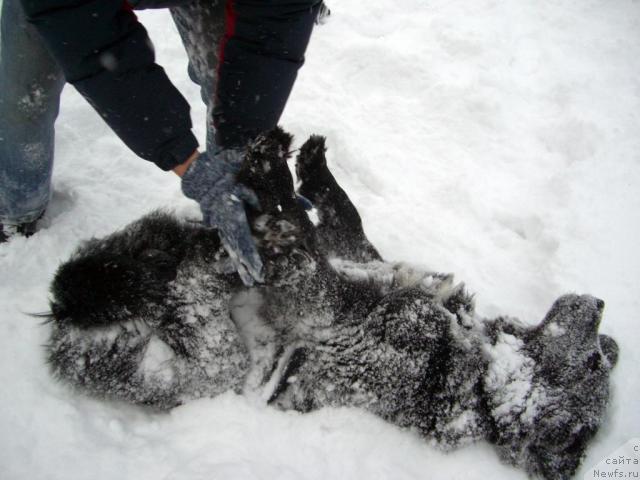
point(154, 315)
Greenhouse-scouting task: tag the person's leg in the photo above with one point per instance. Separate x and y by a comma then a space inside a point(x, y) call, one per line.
point(263, 49)
point(269, 52)
point(30, 86)
point(201, 24)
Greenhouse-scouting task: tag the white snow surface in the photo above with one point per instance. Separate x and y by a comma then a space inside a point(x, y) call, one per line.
point(496, 139)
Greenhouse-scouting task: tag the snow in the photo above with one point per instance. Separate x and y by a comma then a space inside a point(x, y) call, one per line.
point(496, 139)
point(510, 375)
point(157, 360)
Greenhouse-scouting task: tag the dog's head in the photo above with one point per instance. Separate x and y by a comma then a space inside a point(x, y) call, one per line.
point(126, 275)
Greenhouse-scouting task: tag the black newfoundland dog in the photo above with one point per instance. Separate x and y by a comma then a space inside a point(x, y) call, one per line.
point(154, 315)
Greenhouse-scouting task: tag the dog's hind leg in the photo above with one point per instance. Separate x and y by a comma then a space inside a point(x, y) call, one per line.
point(339, 231)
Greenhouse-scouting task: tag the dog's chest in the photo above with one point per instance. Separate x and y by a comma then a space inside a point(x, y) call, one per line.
point(281, 334)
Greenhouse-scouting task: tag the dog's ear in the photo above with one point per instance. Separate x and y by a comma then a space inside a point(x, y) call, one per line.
point(118, 277)
point(101, 289)
point(162, 263)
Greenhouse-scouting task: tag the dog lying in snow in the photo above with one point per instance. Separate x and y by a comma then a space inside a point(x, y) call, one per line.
point(154, 315)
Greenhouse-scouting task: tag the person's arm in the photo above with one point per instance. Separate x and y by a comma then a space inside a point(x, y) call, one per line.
point(108, 57)
point(261, 52)
point(181, 169)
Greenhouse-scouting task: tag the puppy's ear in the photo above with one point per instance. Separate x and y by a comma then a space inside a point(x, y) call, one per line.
point(101, 289)
point(164, 264)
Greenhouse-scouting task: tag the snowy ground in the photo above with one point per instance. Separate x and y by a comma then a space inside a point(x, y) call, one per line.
point(496, 139)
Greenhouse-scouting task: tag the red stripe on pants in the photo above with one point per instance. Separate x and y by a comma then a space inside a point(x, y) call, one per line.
point(230, 18)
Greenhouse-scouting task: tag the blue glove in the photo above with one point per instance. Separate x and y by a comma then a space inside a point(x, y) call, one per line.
point(211, 181)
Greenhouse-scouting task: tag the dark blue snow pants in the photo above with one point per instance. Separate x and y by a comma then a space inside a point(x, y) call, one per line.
point(106, 54)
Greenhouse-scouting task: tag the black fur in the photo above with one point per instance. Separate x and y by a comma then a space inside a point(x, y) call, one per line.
point(340, 230)
point(154, 315)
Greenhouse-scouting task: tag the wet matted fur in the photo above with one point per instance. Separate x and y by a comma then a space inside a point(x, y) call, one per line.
point(154, 315)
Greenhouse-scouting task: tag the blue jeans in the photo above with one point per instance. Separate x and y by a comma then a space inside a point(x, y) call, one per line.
point(201, 25)
point(30, 87)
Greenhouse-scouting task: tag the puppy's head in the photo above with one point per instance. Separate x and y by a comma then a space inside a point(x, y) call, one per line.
point(104, 288)
point(123, 275)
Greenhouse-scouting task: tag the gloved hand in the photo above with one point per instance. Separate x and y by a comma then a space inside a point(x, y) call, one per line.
point(211, 181)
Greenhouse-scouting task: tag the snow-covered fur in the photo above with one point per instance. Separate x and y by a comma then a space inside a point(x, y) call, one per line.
point(154, 315)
